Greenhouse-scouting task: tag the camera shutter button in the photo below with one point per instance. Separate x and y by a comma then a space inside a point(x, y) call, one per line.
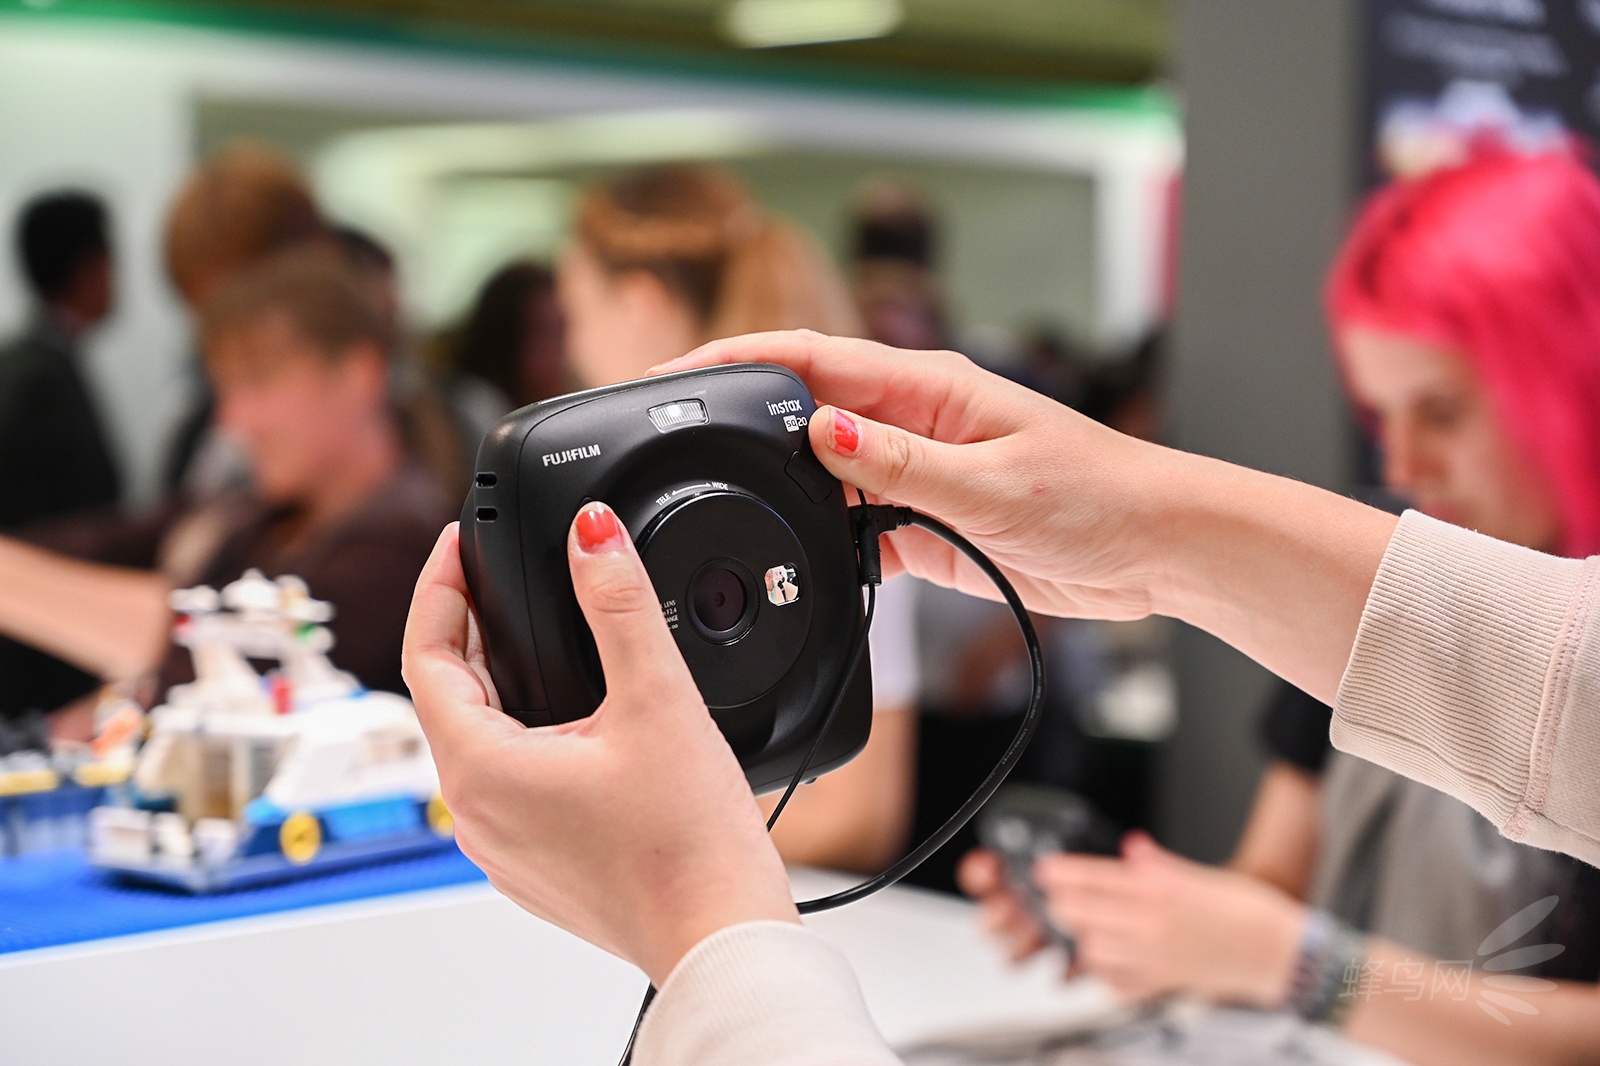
point(813, 480)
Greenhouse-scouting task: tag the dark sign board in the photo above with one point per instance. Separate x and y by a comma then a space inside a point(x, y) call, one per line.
point(1440, 72)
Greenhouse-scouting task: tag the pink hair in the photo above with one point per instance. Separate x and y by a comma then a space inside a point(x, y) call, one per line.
point(1499, 259)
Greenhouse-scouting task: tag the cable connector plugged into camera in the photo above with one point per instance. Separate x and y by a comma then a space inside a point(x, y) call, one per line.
point(871, 521)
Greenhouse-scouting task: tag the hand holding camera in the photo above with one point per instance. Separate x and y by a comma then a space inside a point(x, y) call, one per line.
point(746, 539)
point(752, 563)
point(633, 828)
point(934, 432)
point(1086, 522)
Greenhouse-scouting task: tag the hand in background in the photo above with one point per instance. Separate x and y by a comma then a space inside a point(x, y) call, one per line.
point(633, 828)
point(1154, 923)
point(1001, 910)
point(1151, 923)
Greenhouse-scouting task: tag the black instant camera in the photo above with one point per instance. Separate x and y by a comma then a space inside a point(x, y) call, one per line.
point(745, 536)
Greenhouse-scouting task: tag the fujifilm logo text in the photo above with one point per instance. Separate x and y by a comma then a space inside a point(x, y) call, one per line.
point(784, 407)
point(586, 452)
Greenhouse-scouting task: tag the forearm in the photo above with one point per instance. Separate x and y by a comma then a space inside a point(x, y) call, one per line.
point(857, 817)
point(111, 621)
point(1278, 569)
point(1463, 662)
point(1279, 844)
point(1429, 1012)
point(821, 827)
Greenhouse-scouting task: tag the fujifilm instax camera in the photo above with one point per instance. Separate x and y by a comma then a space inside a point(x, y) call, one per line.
point(746, 537)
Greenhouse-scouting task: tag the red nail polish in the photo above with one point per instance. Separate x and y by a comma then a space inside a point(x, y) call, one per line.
point(846, 434)
point(599, 530)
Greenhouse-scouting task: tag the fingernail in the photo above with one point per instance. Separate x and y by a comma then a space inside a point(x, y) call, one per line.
point(599, 530)
point(846, 434)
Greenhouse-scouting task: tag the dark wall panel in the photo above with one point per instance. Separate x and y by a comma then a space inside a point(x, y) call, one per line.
point(1271, 92)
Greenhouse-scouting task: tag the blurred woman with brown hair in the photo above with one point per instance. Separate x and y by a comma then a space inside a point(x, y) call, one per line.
point(662, 260)
point(667, 258)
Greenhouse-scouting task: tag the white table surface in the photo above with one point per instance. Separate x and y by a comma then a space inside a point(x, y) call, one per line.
point(456, 975)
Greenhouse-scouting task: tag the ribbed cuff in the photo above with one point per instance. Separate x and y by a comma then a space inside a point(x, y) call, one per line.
point(1475, 670)
point(761, 994)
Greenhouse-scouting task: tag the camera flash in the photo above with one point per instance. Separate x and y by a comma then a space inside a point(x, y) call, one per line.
point(782, 585)
point(678, 413)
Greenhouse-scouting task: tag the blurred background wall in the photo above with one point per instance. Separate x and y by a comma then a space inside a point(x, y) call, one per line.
point(1272, 94)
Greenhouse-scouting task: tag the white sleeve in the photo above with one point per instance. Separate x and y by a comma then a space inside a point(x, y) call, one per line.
point(1477, 670)
point(761, 994)
point(896, 668)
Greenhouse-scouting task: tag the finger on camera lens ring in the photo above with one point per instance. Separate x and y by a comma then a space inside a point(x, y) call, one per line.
point(637, 653)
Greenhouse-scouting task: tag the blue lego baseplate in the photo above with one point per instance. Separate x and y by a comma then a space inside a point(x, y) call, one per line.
point(55, 898)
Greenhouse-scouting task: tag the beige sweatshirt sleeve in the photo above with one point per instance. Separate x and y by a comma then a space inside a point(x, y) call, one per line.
point(1477, 670)
point(761, 994)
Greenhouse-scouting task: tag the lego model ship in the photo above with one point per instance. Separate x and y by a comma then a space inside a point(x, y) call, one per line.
point(248, 777)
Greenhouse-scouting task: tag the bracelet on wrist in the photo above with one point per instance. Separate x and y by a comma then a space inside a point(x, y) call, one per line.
point(1323, 990)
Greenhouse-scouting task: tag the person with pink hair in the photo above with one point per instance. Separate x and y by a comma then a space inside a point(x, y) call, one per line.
point(1465, 310)
point(1477, 290)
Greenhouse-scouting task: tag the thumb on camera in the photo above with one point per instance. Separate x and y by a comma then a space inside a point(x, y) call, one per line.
point(887, 461)
point(637, 652)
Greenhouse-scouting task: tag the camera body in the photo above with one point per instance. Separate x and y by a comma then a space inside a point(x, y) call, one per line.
point(746, 537)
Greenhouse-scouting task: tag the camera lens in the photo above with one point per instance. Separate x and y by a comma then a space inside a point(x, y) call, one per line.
point(712, 552)
point(718, 599)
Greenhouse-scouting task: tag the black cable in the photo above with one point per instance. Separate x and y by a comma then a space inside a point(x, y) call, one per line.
point(627, 1052)
point(882, 519)
point(838, 701)
point(871, 522)
point(811, 753)
point(871, 572)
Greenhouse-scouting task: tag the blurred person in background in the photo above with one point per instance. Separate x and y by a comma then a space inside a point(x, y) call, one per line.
point(511, 351)
point(662, 260)
point(55, 455)
point(297, 349)
point(236, 208)
point(1125, 393)
point(1051, 365)
point(896, 282)
point(428, 424)
point(1465, 308)
point(373, 261)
